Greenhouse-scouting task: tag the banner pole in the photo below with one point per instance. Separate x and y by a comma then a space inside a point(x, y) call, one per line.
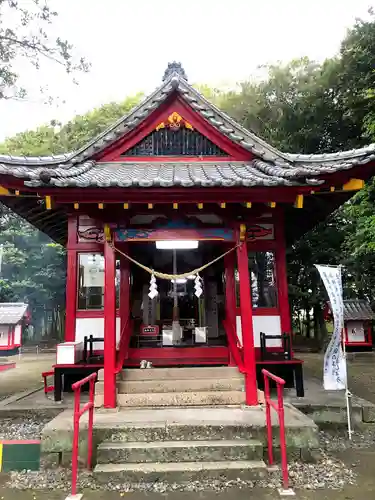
point(348, 394)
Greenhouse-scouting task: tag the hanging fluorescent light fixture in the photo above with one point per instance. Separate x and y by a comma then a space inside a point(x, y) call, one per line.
point(180, 281)
point(177, 244)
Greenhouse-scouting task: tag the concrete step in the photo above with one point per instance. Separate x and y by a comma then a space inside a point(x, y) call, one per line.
point(183, 373)
point(173, 385)
point(175, 472)
point(179, 451)
point(160, 399)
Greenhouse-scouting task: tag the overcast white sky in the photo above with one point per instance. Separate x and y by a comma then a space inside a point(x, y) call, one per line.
point(130, 42)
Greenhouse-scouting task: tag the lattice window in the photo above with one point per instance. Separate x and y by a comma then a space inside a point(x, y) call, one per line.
point(175, 142)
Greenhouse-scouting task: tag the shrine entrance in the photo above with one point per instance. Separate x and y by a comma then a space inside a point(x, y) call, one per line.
point(187, 311)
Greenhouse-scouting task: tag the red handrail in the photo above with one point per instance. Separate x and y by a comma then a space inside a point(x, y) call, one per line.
point(279, 407)
point(234, 344)
point(123, 345)
point(48, 388)
point(78, 412)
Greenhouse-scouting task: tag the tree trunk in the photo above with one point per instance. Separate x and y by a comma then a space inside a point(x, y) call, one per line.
point(308, 323)
point(322, 333)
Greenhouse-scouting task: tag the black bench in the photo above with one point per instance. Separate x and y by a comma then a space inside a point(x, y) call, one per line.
point(280, 363)
point(88, 355)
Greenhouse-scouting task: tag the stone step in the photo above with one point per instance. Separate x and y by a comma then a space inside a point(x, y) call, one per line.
point(183, 373)
point(179, 451)
point(146, 433)
point(175, 472)
point(173, 385)
point(160, 399)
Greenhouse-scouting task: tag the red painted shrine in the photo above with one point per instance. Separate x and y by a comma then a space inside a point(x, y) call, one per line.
point(176, 222)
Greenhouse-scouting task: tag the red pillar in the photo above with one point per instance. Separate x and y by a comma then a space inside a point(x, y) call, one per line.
point(247, 326)
point(230, 295)
point(109, 327)
point(230, 288)
point(124, 291)
point(281, 275)
point(71, 281)
point(71, 296)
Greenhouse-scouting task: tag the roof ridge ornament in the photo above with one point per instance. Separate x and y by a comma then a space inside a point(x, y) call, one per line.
point(174, 67)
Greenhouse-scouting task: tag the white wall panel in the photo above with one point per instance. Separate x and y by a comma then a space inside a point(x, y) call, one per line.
point(356, 331)
point(17, 335)
point(95, 327)
point(4, 335)
point(270, 325)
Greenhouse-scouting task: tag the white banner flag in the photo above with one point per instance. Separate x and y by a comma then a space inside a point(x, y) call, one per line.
point(334, 359)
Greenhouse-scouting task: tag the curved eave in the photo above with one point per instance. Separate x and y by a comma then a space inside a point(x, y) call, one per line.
point(316, 209)
point(54, 223)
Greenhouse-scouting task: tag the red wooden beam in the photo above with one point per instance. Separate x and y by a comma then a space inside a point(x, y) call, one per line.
point(177, 195)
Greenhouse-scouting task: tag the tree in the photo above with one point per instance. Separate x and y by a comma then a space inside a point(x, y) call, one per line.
point(58, 138)
point(25, 34)
point(33, 270)
point(356, 77)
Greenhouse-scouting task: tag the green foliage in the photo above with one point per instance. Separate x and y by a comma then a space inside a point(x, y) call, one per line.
point(25, 35)
point(57, 138)
point(33, 270)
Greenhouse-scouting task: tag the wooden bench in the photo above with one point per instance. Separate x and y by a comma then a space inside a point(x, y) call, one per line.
point(282, 363)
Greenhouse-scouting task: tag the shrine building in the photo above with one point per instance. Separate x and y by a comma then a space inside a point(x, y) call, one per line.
point(176, 221)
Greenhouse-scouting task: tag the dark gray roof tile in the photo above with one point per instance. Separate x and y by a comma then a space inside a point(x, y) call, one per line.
point(11, 313)
point(357, 310)
point(167, 174)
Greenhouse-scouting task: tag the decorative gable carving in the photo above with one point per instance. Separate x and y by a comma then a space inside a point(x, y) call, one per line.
point(175, 137)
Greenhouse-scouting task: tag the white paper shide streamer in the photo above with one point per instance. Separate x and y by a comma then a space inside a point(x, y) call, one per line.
point(334, 358)
point(153, 290)
point(198, 286)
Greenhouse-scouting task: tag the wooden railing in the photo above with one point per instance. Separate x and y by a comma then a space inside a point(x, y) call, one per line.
point(124, 344)
point(234, 344)
point(78, 412)
point(279, 408)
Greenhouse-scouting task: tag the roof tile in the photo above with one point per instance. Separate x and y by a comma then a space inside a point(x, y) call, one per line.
point(11, 313)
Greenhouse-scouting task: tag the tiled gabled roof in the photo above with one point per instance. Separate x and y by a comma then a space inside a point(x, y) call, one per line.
point(11, 313)
point(70, 168)
point(357, 310)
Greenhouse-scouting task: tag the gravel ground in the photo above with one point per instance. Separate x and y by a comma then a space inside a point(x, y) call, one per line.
point(328, 473)
point(338, 440)
point(22, 428)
